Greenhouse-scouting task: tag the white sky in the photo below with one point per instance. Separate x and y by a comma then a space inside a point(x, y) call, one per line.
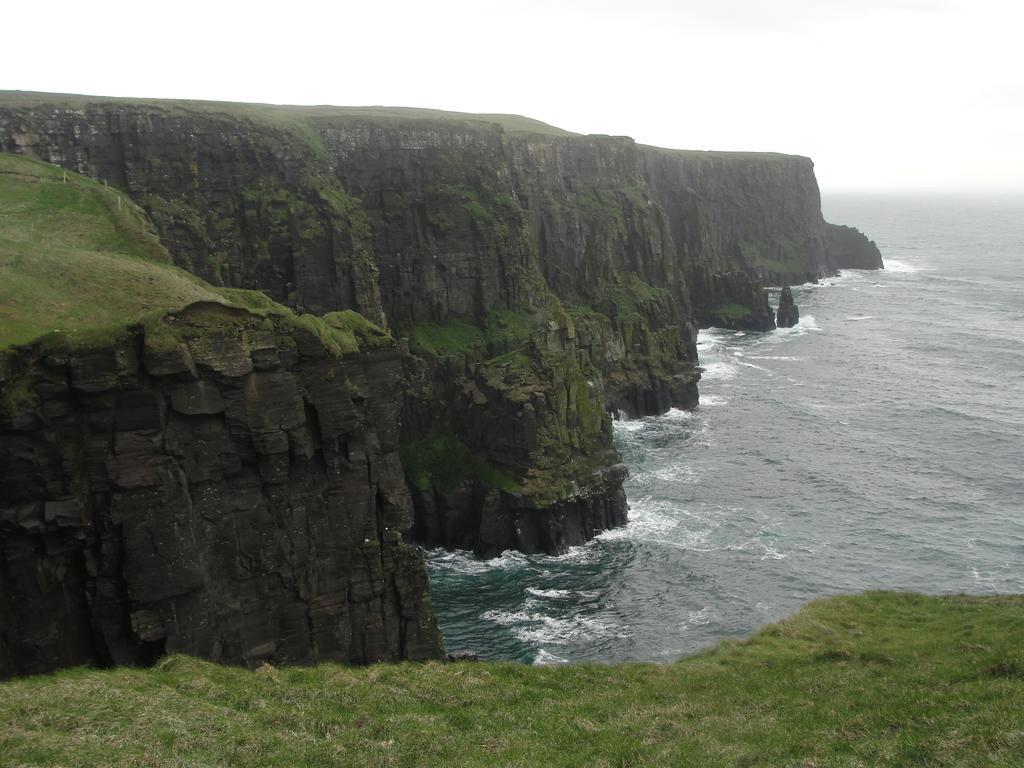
point(898, 94)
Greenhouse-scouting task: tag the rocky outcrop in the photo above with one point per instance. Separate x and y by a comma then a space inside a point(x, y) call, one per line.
point(788, 313)
point(218, 483)
point(732, 300)
point(510, 447)
point(849, 248)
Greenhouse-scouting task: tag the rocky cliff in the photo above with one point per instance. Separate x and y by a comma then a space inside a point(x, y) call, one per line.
point(218, 483)
point(788, 314)
point(185, 468)
point(849, 248)
point(539, 279)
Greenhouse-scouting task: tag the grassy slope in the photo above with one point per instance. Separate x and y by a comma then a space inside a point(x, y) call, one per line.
point(71, 259)
point(78, 267)
point(880, 679)
point(286, 113)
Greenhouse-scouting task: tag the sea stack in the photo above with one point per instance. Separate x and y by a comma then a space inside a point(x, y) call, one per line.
point(788, 314)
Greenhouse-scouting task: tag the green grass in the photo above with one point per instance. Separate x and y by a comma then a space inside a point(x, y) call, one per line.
point(73, 259)
point(502, 329)
point(456, 337)
point(879, 679)
point(732, 311)
point(443, 461)
point(79, 264)
point(283, 115)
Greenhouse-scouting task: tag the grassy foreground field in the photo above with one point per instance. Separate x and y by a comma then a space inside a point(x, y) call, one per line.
point(879, 679)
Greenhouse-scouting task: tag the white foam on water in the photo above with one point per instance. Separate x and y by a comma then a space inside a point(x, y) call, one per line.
point(700, 618)
point(539, 629)
point(465, 562)
point(547, 659)
point(718, 371)
point(806, 325)
point(580, 554)
point(558, 631)
point(861, 317)
point(677, 473)
point(749, 365)
point(712, 400)
point(674, 414)
point(809, 323)
point(848, 276)
point(770, 553)
point(900, 267)
point(648, 520)
point(628, 425)
point(549, 593)
point(505, 618)
point(774, 357)
point(709, 338)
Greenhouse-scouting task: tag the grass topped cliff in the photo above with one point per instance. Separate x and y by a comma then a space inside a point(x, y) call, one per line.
point(879, 679)
point(79, 263)
point(76, 256)
point(285, 112)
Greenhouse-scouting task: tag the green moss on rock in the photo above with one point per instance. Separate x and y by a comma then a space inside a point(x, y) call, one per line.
point(444, 462)
point(731, 311)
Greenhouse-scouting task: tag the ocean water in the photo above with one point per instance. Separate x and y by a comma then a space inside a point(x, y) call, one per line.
point(877, 445)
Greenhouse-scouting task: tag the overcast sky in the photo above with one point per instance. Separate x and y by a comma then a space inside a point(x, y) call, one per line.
point(900, 94)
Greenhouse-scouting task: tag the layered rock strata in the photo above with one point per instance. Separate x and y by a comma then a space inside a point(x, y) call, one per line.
point(217, 483)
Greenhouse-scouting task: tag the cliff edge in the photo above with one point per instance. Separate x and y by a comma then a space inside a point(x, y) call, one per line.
point(184, 469)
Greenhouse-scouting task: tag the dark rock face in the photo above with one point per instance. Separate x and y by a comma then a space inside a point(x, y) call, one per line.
point(231, 490)
point(849, 248)
point(512, 451)
point(490, 521)
point(758, 213)
point(733, 300)
point(788, 314)
point(585, 264)
point(239, 204)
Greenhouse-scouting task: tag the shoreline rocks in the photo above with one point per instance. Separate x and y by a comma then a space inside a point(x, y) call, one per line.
point(788, 313)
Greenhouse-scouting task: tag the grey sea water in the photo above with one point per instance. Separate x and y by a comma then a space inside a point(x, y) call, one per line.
point(877, 445)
